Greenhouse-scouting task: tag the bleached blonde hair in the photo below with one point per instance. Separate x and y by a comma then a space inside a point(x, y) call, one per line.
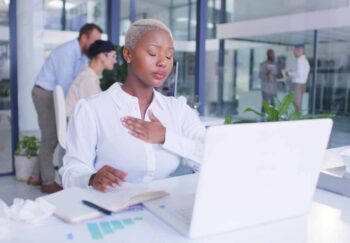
point(142, 26)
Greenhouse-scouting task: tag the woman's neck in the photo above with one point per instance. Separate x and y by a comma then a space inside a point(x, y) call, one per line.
point(96, 66)
point(142, 92)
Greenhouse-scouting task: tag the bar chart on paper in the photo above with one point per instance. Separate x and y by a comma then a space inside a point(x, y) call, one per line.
point(135, 224)
point(127, 219)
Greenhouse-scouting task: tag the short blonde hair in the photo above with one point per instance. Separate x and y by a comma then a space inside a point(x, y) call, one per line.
point(142, 26)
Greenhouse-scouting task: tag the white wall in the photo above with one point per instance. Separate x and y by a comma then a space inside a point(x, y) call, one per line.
point(29, 58)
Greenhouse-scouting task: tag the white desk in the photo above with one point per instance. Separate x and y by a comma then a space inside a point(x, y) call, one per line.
point(328, 221)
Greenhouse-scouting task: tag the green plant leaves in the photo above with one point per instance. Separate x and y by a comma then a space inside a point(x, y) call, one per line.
point(252, 110)
point(285, 110)
point(27, 146)
point(228, 120)
point(285, 105)
point(296, 115)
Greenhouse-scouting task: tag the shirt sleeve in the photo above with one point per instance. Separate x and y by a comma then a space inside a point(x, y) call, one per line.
point(78, 162)
point(189, 143)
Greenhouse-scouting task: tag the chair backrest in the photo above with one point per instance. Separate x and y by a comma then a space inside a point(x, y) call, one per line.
point(60, 114)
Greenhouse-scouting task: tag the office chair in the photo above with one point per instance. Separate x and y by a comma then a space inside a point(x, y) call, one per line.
point(60, 114)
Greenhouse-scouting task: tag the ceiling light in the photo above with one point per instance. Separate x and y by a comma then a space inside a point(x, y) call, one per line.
point(181, 19)
point(59, 5)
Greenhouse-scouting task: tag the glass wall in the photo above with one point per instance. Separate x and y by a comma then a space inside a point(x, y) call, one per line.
point(254, 9)
point(42, 26)
point(5, 102)
point(75, 15)
point(243, 56)
point(62, 25)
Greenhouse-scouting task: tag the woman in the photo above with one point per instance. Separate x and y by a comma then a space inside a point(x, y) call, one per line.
point(132, 132)
point(102, 56)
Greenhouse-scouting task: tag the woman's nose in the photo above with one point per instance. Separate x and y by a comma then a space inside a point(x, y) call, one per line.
point(162, 62)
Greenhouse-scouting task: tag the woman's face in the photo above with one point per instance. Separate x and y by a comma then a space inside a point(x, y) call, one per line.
point(151, 60)
point(108, 60)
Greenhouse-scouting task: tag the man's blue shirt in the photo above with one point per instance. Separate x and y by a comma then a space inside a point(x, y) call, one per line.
point(62, 66)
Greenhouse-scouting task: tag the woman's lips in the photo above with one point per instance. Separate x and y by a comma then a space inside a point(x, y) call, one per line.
point(159, 75)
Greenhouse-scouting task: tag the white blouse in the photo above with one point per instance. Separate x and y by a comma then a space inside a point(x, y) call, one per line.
point(96, 138)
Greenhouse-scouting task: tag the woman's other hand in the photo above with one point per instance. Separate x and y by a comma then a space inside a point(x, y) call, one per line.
point(106, 177)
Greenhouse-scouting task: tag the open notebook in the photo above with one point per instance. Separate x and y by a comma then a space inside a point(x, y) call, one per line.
point(69, 206)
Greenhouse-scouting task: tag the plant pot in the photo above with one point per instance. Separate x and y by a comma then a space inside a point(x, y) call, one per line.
point(24, 167)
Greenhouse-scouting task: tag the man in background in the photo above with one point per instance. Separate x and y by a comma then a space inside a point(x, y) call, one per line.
point(60, 68)
point(268, 73)
point(299, 76)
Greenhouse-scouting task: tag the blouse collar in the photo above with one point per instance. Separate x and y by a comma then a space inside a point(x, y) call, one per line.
point(122, 98)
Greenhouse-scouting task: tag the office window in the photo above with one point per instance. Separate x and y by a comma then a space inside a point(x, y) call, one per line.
point(246, 49)
point(255, 9)
point(5, 101)
point(75, 15)
point(40, 28)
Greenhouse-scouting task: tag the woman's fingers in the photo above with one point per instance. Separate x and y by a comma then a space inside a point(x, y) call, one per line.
point(108, 176)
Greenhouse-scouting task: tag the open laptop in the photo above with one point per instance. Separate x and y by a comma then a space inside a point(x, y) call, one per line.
point(250, 174)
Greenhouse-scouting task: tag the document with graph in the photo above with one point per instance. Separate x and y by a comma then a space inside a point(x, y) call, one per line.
point(70, 207)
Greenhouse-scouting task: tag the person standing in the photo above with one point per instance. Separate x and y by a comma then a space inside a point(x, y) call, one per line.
point(60, 68)
point(269, 72)
point(299, 76)
point(102, 56)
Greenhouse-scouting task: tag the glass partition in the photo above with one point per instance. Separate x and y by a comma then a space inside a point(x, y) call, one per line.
point(254, 9)
point(243, 56)
point(5, 101)
point(75, 15)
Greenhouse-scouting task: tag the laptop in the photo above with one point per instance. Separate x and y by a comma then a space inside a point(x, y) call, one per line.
point(250, 174)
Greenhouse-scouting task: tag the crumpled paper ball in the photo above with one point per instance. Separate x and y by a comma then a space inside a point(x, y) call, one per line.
point(28, 211)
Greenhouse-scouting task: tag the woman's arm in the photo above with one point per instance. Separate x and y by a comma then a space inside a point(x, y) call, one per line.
point(78, 162)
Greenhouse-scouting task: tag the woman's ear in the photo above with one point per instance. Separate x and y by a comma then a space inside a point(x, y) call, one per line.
point(127, 54)
point(101, 57)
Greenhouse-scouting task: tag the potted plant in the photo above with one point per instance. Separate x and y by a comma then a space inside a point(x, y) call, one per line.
point(26, 157)
point(284, 110)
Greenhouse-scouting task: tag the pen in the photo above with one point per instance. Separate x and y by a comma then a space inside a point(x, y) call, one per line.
point(98, 208)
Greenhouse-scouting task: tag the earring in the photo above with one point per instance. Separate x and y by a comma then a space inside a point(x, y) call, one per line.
point(127, 60)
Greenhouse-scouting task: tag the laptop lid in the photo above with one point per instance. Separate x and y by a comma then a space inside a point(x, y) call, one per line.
point(258, 172)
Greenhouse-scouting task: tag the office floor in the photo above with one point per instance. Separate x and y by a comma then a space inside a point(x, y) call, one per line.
point(10, 188)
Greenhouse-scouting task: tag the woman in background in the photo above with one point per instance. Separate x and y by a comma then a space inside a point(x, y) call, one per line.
point(102, 56)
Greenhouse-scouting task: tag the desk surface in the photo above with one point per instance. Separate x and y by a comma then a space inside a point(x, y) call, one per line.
point(327, 221)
